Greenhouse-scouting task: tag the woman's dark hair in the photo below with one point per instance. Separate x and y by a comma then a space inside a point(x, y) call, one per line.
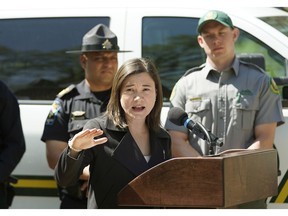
point(132, 67)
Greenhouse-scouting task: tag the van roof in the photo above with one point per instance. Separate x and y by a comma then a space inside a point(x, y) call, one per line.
point(58, 4)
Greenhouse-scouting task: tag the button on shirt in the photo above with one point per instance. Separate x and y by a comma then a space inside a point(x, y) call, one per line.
point(229, 104)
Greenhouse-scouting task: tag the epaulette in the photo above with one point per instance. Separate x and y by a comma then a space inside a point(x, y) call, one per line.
point(194, 69)
point(256, 66)
point(66, 90)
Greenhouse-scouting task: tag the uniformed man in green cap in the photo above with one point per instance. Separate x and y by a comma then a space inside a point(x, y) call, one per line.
point(237, 101)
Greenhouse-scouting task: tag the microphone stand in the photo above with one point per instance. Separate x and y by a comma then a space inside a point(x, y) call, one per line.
point(210, 138)
point(199, 130)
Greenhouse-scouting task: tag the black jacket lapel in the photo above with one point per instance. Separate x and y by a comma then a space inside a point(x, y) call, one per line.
point(128, 153)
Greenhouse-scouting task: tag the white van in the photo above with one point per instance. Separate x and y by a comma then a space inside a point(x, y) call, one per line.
point(34, 65)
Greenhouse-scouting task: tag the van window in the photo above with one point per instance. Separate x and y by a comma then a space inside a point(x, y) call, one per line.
point(172, 43)
point(32, 54)
point(277, 22)
point(274, 63)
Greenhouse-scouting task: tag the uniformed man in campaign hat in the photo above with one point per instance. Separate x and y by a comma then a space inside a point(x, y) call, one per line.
point(76, 104)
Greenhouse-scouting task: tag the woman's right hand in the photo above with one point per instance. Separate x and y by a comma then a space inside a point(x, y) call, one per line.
point(85, 139)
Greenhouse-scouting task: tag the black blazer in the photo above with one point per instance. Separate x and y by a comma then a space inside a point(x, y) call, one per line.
point(113, 164)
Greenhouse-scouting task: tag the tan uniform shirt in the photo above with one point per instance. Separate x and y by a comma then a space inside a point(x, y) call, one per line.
point(229, 104)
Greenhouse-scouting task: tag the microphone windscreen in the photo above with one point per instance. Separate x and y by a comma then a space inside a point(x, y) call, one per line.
point(177, 116)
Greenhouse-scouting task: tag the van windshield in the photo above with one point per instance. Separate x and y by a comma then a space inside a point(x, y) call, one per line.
point(277, 22)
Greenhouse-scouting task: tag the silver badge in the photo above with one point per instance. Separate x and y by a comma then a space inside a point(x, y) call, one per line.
point(107, 44)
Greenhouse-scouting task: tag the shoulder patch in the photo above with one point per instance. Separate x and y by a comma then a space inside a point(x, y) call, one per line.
point(53, 113)
point(273, 86)
point(193, 70)
point(173, 93)
point(66, 90)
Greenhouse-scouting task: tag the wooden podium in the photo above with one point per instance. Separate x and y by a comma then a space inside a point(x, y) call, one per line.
point(219, 181)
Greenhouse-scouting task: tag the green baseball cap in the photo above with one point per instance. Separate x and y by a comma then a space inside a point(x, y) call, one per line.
point(217, 16)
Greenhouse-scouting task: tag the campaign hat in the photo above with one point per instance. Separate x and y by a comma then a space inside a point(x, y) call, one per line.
point(99, 39)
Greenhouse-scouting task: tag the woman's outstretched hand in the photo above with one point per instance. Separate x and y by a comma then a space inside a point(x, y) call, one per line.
point(85, 139)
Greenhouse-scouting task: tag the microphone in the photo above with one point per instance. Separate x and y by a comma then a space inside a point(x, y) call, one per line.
point(179, 117)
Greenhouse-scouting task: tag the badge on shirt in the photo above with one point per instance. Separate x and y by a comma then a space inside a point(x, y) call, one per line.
point(273, 86)
point(78, 115)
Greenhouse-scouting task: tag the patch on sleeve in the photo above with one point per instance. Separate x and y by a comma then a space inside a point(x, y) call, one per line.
point(273, 86)
point(53, 113)
point(173, 93)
